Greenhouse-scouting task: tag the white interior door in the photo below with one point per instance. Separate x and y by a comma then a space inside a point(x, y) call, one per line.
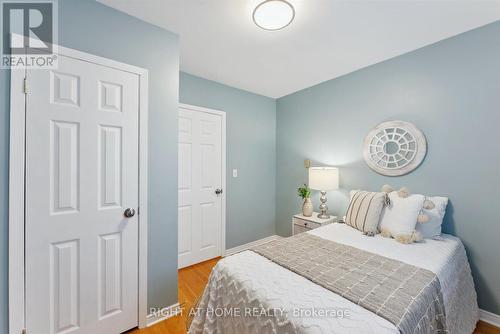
point(200, 181)
point(81, 174)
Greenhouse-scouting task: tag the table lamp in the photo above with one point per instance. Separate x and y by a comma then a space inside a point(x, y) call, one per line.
point(323, 179)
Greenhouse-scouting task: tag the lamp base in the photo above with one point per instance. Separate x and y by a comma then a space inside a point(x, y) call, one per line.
point(322, 207)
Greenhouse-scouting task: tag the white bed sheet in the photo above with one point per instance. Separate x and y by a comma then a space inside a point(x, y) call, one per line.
point(247, 280)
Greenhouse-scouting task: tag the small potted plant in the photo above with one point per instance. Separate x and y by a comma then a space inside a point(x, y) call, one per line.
point(305, 193)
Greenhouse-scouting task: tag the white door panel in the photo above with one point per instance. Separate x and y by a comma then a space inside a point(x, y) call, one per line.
point(81, 174)
point(200, 174)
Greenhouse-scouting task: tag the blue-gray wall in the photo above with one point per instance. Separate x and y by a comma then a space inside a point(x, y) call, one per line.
point(450, 90)
point(251, 148)
point(91, 27)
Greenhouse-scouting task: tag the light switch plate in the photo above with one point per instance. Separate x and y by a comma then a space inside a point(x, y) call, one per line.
point(235, 173)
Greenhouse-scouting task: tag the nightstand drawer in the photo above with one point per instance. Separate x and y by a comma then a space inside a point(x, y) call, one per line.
point(306, 224)
point(299, 229)
point(301, 223)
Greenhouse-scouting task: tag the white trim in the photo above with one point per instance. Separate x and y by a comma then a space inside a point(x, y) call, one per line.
point(16, 200)
point(223, 178)
point(164, 314)
point(491, 318)
point(143, 197)
point(17, 187)
point(249, 245)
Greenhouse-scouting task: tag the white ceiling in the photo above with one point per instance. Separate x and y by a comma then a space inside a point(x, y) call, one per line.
point(327, 39)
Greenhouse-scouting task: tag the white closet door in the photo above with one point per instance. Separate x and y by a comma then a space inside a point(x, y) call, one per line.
point(200, 179)
point(82, 174)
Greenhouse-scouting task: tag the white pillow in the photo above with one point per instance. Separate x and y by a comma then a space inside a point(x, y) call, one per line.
point(432, 228)
point(400, 217)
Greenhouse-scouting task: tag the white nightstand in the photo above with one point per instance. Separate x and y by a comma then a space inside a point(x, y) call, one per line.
point(302, 223)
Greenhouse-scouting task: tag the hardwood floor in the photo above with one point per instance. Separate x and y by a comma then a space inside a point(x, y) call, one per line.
point(484, 328)
point(192, 281)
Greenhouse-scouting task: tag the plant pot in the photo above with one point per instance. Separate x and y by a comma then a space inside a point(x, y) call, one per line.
point(307, 207)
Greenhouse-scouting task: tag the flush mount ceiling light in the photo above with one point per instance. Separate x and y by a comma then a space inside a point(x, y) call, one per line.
point(273, 14)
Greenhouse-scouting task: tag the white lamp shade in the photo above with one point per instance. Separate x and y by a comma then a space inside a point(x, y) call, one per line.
point(324, 178)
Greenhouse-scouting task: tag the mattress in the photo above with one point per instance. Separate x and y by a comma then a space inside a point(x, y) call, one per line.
point(296, 305)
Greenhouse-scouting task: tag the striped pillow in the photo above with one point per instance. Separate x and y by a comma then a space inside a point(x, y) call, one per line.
point(364, 210)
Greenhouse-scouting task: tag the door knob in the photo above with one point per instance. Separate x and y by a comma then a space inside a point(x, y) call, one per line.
point(129, 213)
point(218, 191)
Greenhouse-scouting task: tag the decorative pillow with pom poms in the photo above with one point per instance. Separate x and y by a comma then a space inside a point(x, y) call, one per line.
point(404, 192)
point(428, 221)
point(387, 189)
point(434, 208)
point(404, 238)
point(399, 218)
point(422, 218)
point(409, 238)
point(386, 233)
point(429, 204)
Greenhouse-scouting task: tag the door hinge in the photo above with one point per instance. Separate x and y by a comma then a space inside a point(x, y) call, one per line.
point(25, 89)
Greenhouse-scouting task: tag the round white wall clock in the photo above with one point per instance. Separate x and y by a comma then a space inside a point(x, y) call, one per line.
point(394, 148)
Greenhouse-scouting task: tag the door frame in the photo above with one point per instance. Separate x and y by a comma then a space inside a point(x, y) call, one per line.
point(223, 178)
point(17, 163)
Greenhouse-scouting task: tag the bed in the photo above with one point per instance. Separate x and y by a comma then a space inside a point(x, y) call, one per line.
point(290, 303)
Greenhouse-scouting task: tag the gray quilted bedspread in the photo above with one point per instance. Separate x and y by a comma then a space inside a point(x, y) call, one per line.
point(408, 296)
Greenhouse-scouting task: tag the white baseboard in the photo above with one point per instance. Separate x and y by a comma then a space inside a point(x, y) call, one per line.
point(249, 245)
point(163, 314)
point(491, 318)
